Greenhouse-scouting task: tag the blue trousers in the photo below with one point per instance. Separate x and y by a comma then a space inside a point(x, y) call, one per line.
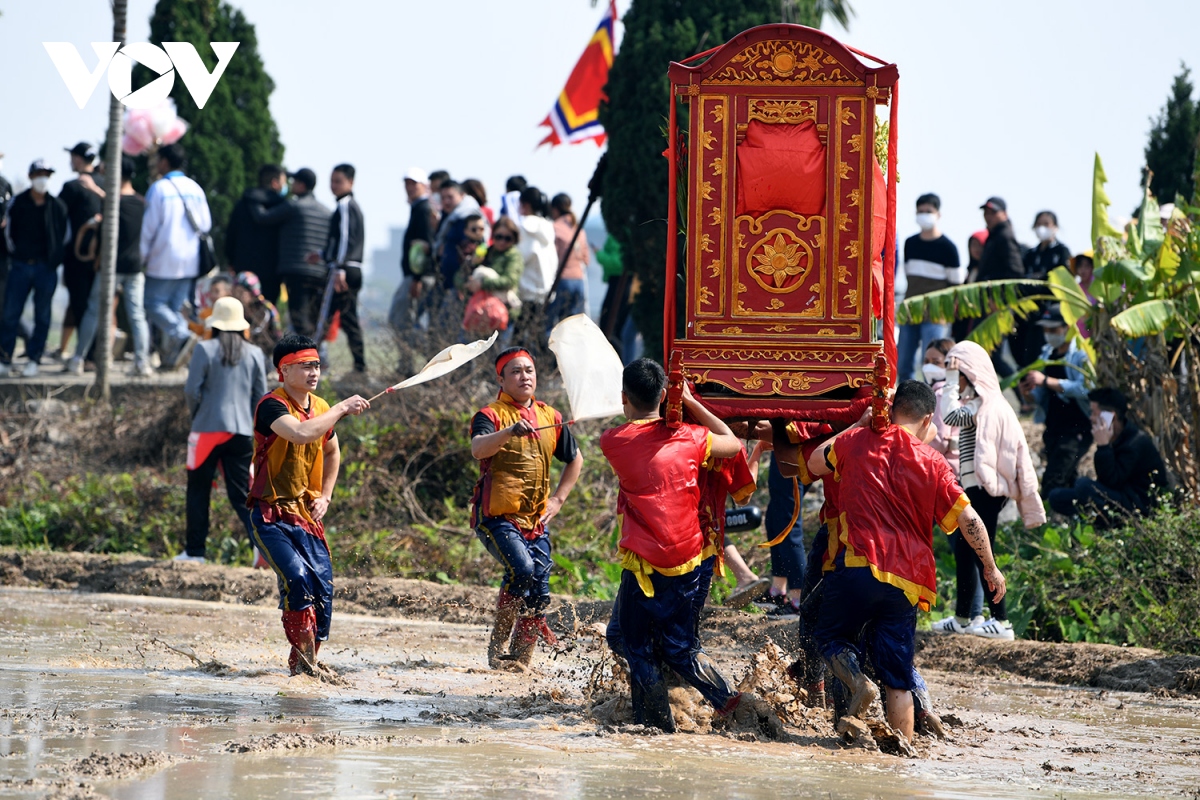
point(914, 341)
point(661, 631)
point(526, 562)
point(854, 599)
point(616, 641)
point(787, 557)
point(302, 564)
point(24, 278)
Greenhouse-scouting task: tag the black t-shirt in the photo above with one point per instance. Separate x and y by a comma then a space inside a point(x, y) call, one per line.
point(272, 409)
point(565, 451)
point(129, 234)
point(1039, 261)
point(1064, 417)
point(82, 204)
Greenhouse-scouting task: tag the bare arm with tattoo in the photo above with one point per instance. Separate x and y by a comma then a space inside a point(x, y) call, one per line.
point(974, 531)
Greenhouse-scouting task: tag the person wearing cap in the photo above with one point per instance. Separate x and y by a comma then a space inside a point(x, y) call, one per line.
point(170, 246)
point(931, 264)
point(1002, 259)
point(303, 224)
point(78, 273)
point(251, 246)
point(296, 462)
point(1060, 393)
point(415, 249)
point(1130, 473)
point(37, 231)
point(226, 377)
point(514, 439)
point(130, 276)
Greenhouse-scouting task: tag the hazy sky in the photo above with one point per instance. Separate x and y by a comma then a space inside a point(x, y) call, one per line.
point(1008, 98)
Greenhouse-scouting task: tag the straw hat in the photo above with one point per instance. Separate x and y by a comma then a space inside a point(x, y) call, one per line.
point(227, 315)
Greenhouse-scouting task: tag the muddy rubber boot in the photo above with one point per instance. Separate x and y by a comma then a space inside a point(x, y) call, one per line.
point(863, 692)
point(506, 617)
point(300, 627)
point(651, 706)
point(524, 642)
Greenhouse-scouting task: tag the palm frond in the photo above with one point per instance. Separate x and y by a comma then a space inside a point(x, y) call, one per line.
point(1040, 366)
point(990, 333)
point(973, 300)
point(1071, 299)
point(1145, 319)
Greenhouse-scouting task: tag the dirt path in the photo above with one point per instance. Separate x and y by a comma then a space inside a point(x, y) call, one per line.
point(1101, 666)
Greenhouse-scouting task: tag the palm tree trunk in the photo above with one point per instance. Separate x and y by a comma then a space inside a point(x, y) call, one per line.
point(112, 208)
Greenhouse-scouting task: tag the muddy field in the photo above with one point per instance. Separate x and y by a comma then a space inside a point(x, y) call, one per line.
point(182, 691)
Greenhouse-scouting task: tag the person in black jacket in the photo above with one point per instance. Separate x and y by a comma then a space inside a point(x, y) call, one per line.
point(303, 232)
point(37, 231)
point(254, 247)
point(78, 274)
point(6, 196)
point(1129, 469)
point(344, 252)
point(415, 249)
point(1002, 260)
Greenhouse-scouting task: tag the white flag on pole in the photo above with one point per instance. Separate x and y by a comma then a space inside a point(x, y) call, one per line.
point(448, 360)
point(590, 368)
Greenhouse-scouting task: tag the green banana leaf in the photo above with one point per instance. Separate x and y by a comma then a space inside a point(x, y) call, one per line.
point(1100, 203)
point(1145, 319)
point(1150, 231)
point(970, 301)
point(989, 334)
point(1072, 300)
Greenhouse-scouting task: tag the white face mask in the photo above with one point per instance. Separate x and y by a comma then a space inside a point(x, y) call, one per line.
point(1044, 233)
point(933, 373)
point(1056, 340)
point(40, 184)
point(926, 221)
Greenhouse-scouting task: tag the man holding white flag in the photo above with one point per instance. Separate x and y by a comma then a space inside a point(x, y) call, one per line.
point(514, 440)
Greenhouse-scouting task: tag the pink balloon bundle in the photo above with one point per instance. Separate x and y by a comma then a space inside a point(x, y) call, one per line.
point(147, 127)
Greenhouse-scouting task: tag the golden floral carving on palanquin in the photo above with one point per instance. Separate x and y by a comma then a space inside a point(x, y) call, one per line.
point(780, 260)
point(790, 112)
point(784, 61)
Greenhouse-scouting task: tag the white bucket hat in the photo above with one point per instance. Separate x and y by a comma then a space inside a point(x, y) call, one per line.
point(228, 315)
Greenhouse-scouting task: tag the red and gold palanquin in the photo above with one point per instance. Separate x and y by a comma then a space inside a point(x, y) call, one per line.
point(788, 257)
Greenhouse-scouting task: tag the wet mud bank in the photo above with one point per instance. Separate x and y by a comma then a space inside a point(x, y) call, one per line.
point(1094, 665)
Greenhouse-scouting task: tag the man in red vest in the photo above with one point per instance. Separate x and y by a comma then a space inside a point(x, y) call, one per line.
point(662, 544)
point(893, 488)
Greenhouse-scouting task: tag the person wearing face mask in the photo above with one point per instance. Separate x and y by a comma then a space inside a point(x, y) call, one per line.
point(36, 231)
point(930, 263)
point(253, 246)
point(945, 441)
point(994, 465)
point(893, 490)
point(1060, 393)
point(1026, 342)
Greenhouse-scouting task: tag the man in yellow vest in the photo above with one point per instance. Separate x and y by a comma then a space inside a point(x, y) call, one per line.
point(296, 461)
point(514, 440)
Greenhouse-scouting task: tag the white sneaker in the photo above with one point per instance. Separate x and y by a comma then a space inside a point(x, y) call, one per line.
point(994, 629)
point(185, 557)
point(952, 625)
point(140, 371)
point(31, 370)
point(75, 365)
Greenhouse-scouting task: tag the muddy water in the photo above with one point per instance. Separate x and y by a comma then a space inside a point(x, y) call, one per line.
point(421, 716)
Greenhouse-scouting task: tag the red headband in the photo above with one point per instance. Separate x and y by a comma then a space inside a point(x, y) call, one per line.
point(502, 362)
point(300, 356)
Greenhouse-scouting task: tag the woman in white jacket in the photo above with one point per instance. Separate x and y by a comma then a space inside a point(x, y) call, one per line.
point(537, 248)
point(994, 465)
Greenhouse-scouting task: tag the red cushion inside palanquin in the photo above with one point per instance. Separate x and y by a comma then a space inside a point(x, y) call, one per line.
point(781, 166)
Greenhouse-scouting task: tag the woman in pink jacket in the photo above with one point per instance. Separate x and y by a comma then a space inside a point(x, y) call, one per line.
point(994, 465)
